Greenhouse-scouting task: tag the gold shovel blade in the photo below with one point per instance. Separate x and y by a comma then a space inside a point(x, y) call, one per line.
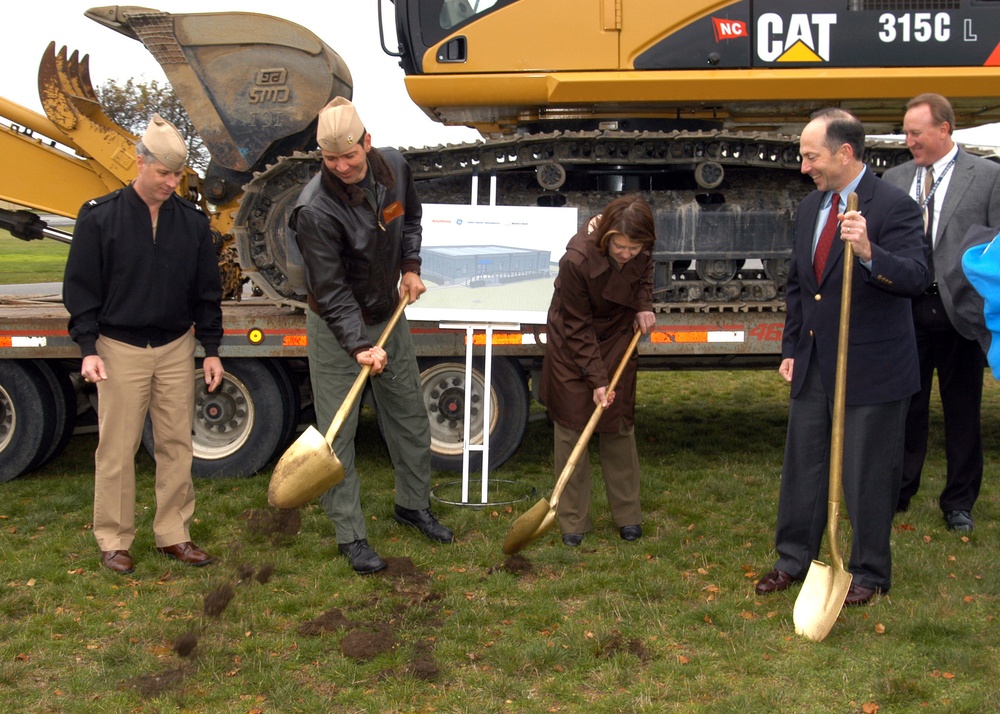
point(820, 600)
point(527, 527)
point(306, 470)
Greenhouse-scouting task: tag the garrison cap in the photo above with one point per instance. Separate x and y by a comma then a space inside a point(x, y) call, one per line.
point(339, 127)
point(165, 143)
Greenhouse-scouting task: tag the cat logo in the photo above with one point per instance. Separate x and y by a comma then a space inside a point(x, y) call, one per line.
point(805, 38)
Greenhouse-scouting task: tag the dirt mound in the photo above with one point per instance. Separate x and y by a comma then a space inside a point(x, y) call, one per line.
point(368, 642)
point(616, 643)
point(150, 686)
point(515, 565)
point(403, 569)
point(329, 621)
point(422, 664)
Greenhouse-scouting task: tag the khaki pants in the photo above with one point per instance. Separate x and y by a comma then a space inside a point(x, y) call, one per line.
point(620, 465)
point(159, 380)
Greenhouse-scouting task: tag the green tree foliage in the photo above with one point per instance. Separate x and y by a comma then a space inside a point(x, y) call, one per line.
point(131, 105)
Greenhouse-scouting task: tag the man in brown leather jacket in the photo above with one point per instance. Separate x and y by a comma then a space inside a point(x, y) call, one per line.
point(357, 225)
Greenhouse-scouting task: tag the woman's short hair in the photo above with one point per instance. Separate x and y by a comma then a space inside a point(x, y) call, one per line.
point(630, 216)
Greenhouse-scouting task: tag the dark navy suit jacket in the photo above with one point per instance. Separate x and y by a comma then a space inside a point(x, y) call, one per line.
point(882, 361)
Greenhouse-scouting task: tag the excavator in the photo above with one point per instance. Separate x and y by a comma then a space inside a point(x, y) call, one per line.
point(695, 105)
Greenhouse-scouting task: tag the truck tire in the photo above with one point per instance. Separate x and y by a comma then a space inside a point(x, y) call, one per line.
point(64, 419)
point(239, 426)
point(292, 400)
point(27, 417)
point(442, 382)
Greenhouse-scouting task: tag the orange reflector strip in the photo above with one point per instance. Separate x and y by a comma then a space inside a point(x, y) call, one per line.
point(499, 338)
point(5, 342)
point(695, 336)
point(295, 340)
point(684, 336)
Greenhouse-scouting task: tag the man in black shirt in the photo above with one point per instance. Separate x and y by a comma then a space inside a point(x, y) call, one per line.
point(141, 271)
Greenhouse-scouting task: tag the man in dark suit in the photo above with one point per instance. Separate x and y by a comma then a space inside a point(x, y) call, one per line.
point(957, 191)
point(882, 371)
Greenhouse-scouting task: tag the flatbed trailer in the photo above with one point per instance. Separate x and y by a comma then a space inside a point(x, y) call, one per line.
point(266, 399)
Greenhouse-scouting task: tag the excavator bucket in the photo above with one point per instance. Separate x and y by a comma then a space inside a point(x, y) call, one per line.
point(252, 84)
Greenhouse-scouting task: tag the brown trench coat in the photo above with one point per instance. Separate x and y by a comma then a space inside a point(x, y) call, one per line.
point(589, 327)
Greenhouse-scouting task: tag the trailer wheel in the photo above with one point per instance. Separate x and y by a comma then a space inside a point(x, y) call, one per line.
point(292, 402)
point(64, 417)
point(443, 385)
point(239, 426)
point(27, 417)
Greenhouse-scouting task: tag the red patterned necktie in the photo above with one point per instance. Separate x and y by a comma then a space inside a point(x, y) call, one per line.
point(826, 238)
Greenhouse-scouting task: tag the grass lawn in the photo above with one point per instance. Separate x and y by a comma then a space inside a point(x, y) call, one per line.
point(669, 623)
point(37, 261)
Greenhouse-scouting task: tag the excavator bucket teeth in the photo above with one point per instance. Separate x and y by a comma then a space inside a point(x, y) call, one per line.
point(54, 99)
point(70, 103)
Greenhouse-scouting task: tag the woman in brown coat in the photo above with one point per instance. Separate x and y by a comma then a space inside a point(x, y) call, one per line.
point(603, 293)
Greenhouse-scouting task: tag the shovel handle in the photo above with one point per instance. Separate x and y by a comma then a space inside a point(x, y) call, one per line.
point(840, 398)
point(359, 382)
point(588, 430)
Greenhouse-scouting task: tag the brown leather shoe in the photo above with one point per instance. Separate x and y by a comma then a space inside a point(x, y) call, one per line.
point(858, 595)
point(117, 560)
point(773, 582)
point(187, 552)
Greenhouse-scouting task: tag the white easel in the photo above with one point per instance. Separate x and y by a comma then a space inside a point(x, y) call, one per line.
point(467, 447)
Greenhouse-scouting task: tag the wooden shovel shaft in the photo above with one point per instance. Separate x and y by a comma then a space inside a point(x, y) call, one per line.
point(359, 382)
point(588, 430)
point(840, 399)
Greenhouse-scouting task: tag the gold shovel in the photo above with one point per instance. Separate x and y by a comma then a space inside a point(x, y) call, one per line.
point(309, 468)
point(531, 525)
point(822, 595)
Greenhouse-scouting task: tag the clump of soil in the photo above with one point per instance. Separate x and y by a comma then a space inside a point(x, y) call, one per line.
point(264, 573)
point(327, 622)
point(515, 565)
point(217, 600)
point(264, 522)
point(616, 643)
point(423, 666)
point(403, 569)
point(185, 644)
point(365, 644)
point(244, 572)
point(150, 686)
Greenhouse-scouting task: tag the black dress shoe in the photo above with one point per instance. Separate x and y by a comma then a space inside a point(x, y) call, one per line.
point(959, 521)
point(425, 522)
point(773, 582)
point(630, 532)
point(858, 595)
point(902, 505)
point(363, 557)
point(572, 539)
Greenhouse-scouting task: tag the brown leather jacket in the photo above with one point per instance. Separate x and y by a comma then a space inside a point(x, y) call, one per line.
point(354, 255)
